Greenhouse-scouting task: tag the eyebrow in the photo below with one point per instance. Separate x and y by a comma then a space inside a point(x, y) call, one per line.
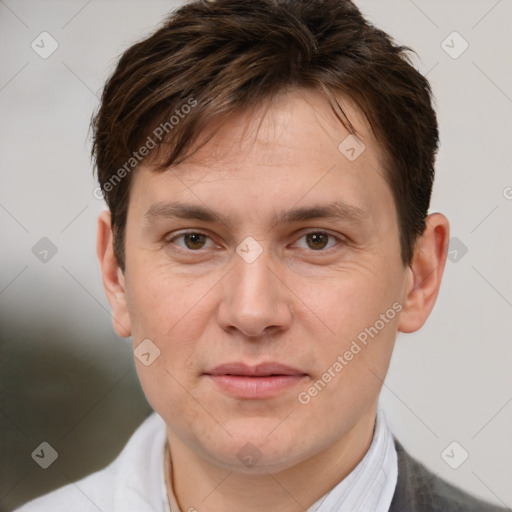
point(336, 209)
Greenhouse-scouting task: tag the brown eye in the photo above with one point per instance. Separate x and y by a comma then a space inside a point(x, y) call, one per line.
point(194, 240)
point(317, 240)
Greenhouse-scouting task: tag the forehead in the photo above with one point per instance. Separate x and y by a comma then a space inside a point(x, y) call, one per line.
point(293, 146)
point(285, 129)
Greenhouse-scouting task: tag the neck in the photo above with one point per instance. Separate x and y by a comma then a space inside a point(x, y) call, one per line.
point(199, 485)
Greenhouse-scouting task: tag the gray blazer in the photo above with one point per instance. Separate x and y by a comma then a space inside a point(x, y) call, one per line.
point(419, 490)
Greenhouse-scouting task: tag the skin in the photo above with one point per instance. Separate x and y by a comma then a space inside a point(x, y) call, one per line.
point(298, 303)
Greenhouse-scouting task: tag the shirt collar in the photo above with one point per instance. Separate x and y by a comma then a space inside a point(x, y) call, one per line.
point(371, 484)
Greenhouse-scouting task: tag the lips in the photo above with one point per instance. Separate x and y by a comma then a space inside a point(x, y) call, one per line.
point(264, 380)
point(260, 370)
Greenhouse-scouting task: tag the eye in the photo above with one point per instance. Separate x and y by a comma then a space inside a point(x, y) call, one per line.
point(191, 240)
point(318, 240)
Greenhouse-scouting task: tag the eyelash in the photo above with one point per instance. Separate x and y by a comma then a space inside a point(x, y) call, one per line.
point(169, 241)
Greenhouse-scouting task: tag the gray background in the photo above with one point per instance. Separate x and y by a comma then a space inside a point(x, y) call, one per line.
point(69, 380)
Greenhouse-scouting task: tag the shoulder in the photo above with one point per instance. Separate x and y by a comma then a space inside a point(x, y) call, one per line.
point(130, 482)
point(420, 490)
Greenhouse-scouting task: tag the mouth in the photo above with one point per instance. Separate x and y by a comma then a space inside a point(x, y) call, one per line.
point(255, 382)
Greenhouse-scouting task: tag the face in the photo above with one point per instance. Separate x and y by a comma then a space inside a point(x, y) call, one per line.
point(266, 270)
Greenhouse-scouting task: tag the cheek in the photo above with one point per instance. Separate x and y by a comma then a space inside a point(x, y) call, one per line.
point(351, 364)
point(173, 313)
point(347, 302)
point(356, 318)
point(170, 394)
point(161, 302)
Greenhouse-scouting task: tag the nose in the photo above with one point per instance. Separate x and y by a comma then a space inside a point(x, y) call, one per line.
point(255, 300)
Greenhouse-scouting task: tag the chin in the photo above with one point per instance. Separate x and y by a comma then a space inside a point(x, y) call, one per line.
point(254, 451)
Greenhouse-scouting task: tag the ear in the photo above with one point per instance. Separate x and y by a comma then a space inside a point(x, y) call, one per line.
point(112, 276)
point(425, 273)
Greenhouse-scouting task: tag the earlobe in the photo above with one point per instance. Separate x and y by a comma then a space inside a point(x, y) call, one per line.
point(112, 276)
point(424, 274)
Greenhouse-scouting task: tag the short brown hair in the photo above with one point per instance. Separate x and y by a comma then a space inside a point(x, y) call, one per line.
point(221, 56)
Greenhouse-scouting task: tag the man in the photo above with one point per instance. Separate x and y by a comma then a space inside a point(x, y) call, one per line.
point(268, 167)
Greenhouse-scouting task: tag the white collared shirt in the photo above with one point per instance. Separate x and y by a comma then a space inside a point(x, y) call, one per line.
point(135, 480)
